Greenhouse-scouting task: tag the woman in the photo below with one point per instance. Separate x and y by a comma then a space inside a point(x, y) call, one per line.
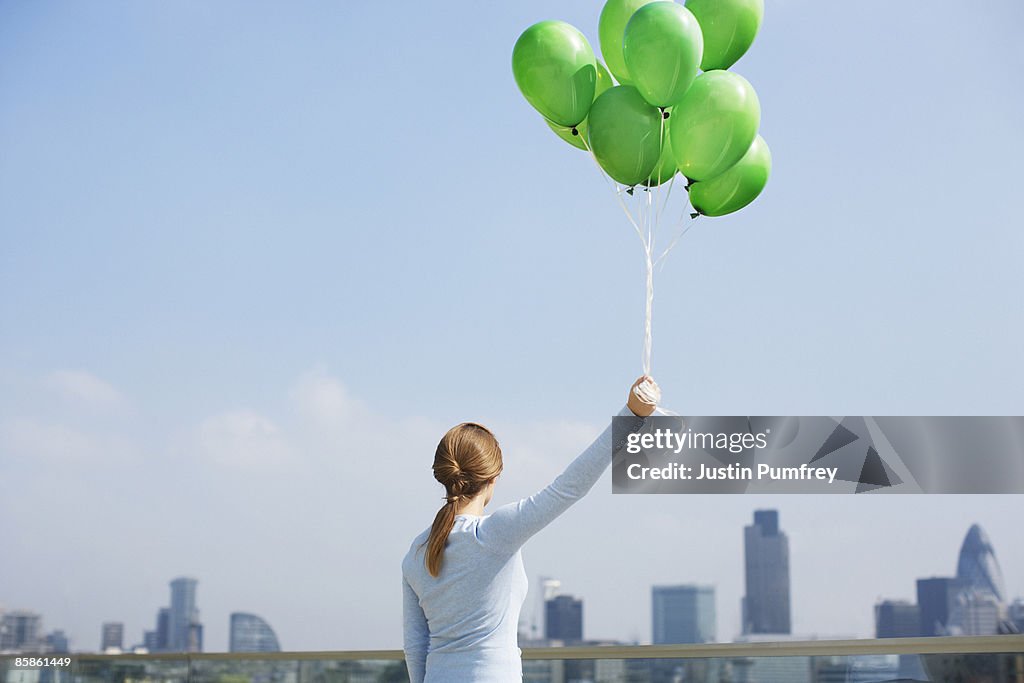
point(463, 578)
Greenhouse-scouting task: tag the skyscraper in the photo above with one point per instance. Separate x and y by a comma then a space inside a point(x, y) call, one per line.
point(683, 614)
point(112, 636)
point(971, 603)
point(163, 630)
point(250, 633)
point(974, 613)
point(977, 566)
point(1015, 613)
point(184, 632)
point(897, 619)
point(20, 630)
point(563, 618)
point(766, 554)
point(57, 641)
point(935, 598)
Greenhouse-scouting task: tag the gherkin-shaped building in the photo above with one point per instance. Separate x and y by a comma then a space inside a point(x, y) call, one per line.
point(978, 567)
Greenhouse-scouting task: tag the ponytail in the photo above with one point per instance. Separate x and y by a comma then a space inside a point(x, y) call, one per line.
point(443, 523)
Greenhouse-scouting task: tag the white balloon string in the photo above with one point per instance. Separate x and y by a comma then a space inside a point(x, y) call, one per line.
point(684, 220)
point(672, 245)
point(648, 309)
point(650, 218)
point(614, 188)
point(644, 209)
point(644, 219)
point(668, 195)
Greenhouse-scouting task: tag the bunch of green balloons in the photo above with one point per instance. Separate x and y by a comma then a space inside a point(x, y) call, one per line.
point(676, 107)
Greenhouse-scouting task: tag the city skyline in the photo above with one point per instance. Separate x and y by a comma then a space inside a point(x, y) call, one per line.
point(682, 613)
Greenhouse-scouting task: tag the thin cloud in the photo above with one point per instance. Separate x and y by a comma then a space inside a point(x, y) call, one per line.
point(242, 438)
point(85, 389)
point(42, 442)
point(322, 400)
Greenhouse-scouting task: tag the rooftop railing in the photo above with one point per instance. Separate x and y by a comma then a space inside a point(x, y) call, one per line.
point(975, 659)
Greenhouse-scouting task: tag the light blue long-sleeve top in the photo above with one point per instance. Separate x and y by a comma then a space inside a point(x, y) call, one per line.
point(462, 626)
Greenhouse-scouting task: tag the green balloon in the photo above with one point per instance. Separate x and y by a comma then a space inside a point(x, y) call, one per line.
point(625, 134)
point(729, 28)
point(738, 186)
point(555, 70)
point(610, 29)
point(604, 81)
point(666, 167)
point(714, 124)
point(662, 47)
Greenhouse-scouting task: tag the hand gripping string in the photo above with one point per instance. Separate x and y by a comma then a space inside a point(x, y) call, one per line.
point(648, 392)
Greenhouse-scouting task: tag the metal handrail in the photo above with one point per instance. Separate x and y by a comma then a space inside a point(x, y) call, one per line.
point(805, 648)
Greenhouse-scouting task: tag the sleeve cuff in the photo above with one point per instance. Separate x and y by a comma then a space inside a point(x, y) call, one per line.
point(636, 423)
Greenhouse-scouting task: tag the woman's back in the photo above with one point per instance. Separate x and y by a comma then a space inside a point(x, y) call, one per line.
point(472, 608)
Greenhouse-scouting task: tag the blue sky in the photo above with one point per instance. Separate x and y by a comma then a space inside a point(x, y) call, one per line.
point(236, 234)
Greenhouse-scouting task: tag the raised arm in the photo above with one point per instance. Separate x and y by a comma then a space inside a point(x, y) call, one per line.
point(511, 525)
point(417, 635)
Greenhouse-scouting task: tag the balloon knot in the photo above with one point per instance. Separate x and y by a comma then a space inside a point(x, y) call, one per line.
point(574, 131)
point(664, 114)
point(694, 215)
point(630, 192)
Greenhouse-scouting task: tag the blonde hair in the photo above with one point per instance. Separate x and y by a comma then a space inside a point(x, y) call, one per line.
point(467, 459)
